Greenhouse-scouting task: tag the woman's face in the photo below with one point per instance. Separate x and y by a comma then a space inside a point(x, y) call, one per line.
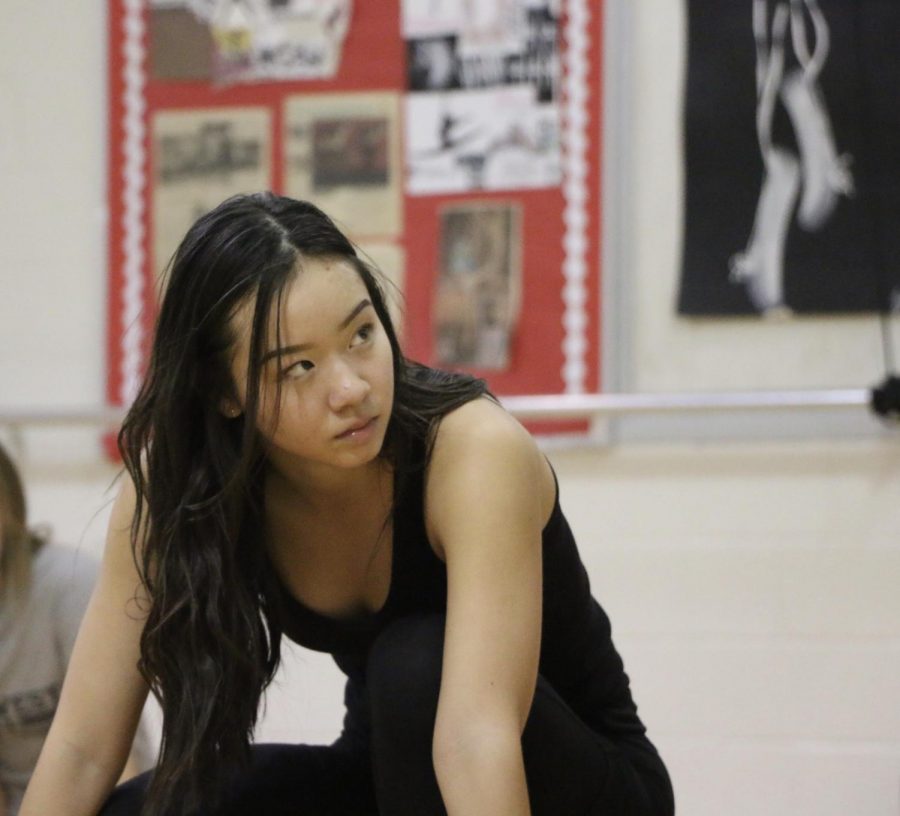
point(334, 366)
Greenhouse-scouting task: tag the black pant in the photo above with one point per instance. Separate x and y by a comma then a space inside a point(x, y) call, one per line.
point(571, 770)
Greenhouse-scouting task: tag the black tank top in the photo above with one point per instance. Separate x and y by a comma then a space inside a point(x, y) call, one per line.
point(577, 655)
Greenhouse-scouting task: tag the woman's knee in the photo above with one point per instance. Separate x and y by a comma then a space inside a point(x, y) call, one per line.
point(404, 675)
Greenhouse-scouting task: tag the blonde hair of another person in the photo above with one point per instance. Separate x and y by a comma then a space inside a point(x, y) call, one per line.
point(17, 542)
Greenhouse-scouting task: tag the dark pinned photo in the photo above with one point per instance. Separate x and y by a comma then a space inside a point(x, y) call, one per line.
point(476, 308)
point(349, 151)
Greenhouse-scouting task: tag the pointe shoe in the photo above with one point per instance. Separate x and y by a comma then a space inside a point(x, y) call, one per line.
point(761, 266)
point(826, 175)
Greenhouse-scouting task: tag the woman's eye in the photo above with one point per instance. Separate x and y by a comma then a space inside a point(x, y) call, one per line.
point(363, 333)
point(298, 369)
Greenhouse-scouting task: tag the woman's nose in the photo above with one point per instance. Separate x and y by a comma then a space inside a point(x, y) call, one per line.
point(348, 388)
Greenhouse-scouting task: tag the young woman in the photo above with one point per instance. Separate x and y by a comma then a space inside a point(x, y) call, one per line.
point(291, 472)
point(44, 590)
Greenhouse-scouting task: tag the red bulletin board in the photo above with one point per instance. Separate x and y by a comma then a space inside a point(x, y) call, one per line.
point(555, 347)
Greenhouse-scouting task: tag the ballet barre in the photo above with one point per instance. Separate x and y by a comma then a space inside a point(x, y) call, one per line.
point(545, 406)
point(588, 406)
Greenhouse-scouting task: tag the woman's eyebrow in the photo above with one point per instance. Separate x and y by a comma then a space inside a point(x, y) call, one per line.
point(356, 310)
point(278, 352)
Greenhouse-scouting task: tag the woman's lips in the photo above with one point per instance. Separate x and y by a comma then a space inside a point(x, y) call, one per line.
point(359, 430)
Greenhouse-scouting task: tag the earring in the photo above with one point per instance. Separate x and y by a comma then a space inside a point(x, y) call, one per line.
point(230, 409)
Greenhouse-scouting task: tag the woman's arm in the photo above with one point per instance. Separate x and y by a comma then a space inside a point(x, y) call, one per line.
point(103, 693)
point(484, 513)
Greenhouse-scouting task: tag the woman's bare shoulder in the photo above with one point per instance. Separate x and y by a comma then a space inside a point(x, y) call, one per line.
point(478, 435)
point(477, 420)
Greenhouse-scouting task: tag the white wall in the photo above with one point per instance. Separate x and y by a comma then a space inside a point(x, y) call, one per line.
point(753, 592)
point(52, 202)
point(752, 587)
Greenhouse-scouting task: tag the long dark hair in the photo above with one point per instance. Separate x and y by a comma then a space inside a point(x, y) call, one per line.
point(211, 642)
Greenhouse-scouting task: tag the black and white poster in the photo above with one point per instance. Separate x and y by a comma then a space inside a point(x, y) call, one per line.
point(482, 111)
point(792, 157)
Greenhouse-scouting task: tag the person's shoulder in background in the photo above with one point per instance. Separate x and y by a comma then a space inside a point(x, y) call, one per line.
point(62, 579)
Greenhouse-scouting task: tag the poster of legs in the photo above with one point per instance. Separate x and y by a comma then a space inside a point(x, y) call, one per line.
point(791, 156)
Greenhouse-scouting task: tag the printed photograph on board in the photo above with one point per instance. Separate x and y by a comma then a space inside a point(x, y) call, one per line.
point(343, 152)
point(180, 43)
point(479, 283)
point(233, 41)
point(352, 152)
point(489, 139)
point(200, 158)
point(482, 109)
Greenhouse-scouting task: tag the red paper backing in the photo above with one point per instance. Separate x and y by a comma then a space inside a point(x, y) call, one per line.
point(374, 59)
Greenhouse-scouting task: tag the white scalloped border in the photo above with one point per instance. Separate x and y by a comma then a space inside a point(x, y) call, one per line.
point(133, 52)
point(575, 141)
